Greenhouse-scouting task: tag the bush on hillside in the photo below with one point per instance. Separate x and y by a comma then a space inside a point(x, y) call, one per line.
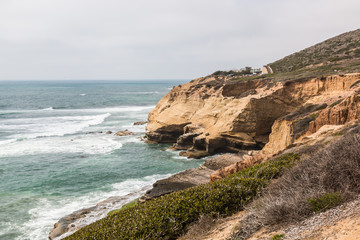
point(335, 169)
point(324, 202)
point(169, 216)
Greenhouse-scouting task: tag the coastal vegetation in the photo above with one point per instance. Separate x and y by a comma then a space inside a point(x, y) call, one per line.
point(325, 179)
point(169, 216)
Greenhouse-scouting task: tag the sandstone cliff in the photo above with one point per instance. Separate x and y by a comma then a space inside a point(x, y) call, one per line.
point(214, 114)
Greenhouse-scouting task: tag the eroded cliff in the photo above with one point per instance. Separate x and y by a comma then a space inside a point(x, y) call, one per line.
point(215, 114)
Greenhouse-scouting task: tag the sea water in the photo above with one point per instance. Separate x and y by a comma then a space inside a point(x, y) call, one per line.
point(55, 155)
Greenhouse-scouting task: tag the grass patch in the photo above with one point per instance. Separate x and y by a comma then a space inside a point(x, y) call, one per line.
point(324, 202)
point(169, 216)
point(278, 237)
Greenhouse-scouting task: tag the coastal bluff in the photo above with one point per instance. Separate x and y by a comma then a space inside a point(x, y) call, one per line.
point(217, 114)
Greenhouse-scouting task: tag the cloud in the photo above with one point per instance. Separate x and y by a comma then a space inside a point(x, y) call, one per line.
point(141, 39)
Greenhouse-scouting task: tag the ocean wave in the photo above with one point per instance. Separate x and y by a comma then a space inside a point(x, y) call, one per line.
point(84, 144)
point(47, 212)
point(71, 110)
point(116, 109)
point(50, 126)
point(47, 109)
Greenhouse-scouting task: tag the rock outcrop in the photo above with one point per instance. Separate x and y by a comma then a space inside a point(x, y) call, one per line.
point(214, 114)
point(191, 177)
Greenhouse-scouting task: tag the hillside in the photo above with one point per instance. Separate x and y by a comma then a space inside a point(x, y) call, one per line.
point(337, 51)
point(299, 125)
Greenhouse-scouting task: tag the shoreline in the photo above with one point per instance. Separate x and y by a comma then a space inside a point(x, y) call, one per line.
point(78, 219)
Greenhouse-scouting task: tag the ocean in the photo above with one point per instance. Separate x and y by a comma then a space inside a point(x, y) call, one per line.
point(55, 155)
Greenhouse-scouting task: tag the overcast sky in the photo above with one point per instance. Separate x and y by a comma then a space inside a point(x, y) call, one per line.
point(159, 39)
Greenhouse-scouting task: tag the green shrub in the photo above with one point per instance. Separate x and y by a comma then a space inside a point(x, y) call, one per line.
point(169, 216)
point(324, 202)
point(278, 237)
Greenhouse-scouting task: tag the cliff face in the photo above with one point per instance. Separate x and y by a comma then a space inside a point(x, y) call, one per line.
point(221, 115)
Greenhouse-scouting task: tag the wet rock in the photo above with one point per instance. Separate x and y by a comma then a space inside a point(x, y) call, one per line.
point(124, 133)
point(140, 123)
point(109, 132)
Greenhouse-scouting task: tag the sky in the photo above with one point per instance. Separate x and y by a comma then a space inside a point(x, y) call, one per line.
point(159, 39)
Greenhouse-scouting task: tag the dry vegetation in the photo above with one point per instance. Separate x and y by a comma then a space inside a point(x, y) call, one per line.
point(343, 47)
point(317, 183)
point(338, 55)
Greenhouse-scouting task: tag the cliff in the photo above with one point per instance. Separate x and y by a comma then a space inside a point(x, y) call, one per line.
point(222, 115)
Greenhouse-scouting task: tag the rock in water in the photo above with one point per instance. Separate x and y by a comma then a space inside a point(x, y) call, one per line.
point(124, 133)
point(140, 123)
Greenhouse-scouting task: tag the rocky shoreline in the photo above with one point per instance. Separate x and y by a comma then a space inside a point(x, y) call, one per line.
point(179, 181)
point(80, 218)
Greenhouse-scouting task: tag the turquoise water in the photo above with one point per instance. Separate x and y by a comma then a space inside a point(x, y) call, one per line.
point(54, 160)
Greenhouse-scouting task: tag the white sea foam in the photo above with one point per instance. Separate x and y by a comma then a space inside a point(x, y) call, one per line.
point(49, 211)
point(49, 126)
point(47, 109)
point(82, 94)
point(98, 110)
point(7, 141)
point(84, 144)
